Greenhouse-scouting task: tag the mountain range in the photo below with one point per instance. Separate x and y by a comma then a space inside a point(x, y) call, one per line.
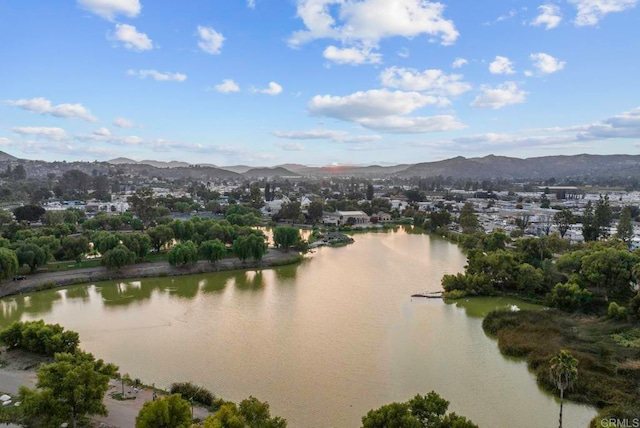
point(479, 168)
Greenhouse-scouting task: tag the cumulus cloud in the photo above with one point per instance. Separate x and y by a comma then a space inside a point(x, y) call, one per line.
point(501, 65)
point(500, 96)
point(549, 16)
point(103, 132)
point(413, 125)
point(435, 82)
point(210, 41)
point(122, 122)
point(227, 86)
point(368, 104)
point(129, 36)
point(291, 147)
point(50, 133)
point(546, 64)
point(590, 12)
point(326, 134)
point(625, 125)
point(43, 106)
point(273, 89)
point(158, 76)
point(459, 62)
point(352, 56)
point(109, 9)
point(364, 23)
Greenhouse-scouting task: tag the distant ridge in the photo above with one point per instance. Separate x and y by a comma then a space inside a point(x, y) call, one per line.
point(6, 157)
point(269, 172)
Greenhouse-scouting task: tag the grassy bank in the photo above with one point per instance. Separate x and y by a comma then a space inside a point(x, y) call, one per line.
point(608, 353)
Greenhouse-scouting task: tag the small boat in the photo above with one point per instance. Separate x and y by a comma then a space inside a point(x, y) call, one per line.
point(429, 295)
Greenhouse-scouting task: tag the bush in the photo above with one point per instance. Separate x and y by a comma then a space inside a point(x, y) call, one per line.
point(568, 297)
point(617, 312)
point(456, 294)
point(500, 320)
point(634, 306)
point(190, 391)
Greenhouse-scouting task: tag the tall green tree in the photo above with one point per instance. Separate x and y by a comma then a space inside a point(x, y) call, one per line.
point(28, 213)
point(74, 247)
point(183, 254)
point(315, 212)
point(249, 247)
point(609, 268)
point(160, 236)
point(563, 369)
point(68, 390)
point(563, 220)
point(625, 227)
point(290, 211)
point(602, 216)
point(165, 412)
point(31, 254)
point(8, 263)
point(468, 220)
point(369, 192)
point(590, 230)
point(118, 258)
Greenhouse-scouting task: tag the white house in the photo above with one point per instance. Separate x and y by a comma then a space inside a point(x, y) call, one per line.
point(339, 218)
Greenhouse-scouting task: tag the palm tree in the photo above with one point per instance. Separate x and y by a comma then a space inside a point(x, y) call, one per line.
point(564, 371)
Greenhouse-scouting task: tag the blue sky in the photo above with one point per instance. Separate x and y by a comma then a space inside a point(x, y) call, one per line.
point(266, 82)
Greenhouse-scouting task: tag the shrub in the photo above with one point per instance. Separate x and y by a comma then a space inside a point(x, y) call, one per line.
point(499, 320)
point(190, 391)
point(568, 297)
point(616, 311)
point(456, 294)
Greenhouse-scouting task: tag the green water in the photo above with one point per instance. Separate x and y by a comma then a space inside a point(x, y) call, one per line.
point(323, 341)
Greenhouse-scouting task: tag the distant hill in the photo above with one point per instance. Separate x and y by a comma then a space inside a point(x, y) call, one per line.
point(122, 161)
point(560, 167)
point(6, 157)
point(269, 172)
point(240, 169)
point(161, 164)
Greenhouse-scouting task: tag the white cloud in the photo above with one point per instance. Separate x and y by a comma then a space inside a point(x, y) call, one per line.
point(273, 89)
point(158, 76)
point(501, 65)
point(109, 9)
point(326, 134)
point(500, 96)
point(227, 86)
point(590, 12)
point(404, 53)
point(102, 132)
point(5, 141)
point(366, 22)
point(414, 125)
point(509, 15)
point(50, 133)
point(131, 38)
point(550, 16)
point(43, 106)
point(251, 4)
point(434, 82)
point(374, 103)
point(210, 40)
point(626, 125)
point(291, 147)
point(546, 64)
point(353, 56)
point(459, 62)
point(122, 122)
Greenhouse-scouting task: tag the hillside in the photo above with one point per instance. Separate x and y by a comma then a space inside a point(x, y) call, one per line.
point(269, 172)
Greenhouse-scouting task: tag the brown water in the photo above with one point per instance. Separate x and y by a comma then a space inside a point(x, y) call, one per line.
point(323, 342)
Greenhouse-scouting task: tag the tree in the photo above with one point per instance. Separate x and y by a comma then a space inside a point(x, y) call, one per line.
point(118, 257)
point(74, 247)
point(8, 263)
point(30, 254)
point(139, 243)
point(267, 192)
point(428, 411)
point(249, 246)
point(213, 250)
point(257, 415)
point(286, 237)
point(369, 192)
point(563, 369)
point(166, 412)
point(523, 221)
point(315, 212)
point(19, 173)
point(144, 205)
point(589, 226)
point(563, 221)
point(69, 389)
point(610, 268)
point(290, 211)
point(183, 254)
point(74, 184)
point(602, 216)
point(28, 213)
point(625, 227)
point(160, 236)
point(468, 220)
point(228, 416)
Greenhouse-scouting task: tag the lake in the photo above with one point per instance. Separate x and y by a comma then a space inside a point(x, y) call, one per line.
point(323, 341)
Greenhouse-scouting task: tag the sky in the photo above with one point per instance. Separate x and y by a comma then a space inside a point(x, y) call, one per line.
point(318, 82)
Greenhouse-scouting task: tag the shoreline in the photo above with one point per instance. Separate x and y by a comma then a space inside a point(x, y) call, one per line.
point(49, 280)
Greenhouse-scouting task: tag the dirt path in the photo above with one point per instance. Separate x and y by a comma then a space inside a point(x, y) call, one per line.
point(37, 281)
